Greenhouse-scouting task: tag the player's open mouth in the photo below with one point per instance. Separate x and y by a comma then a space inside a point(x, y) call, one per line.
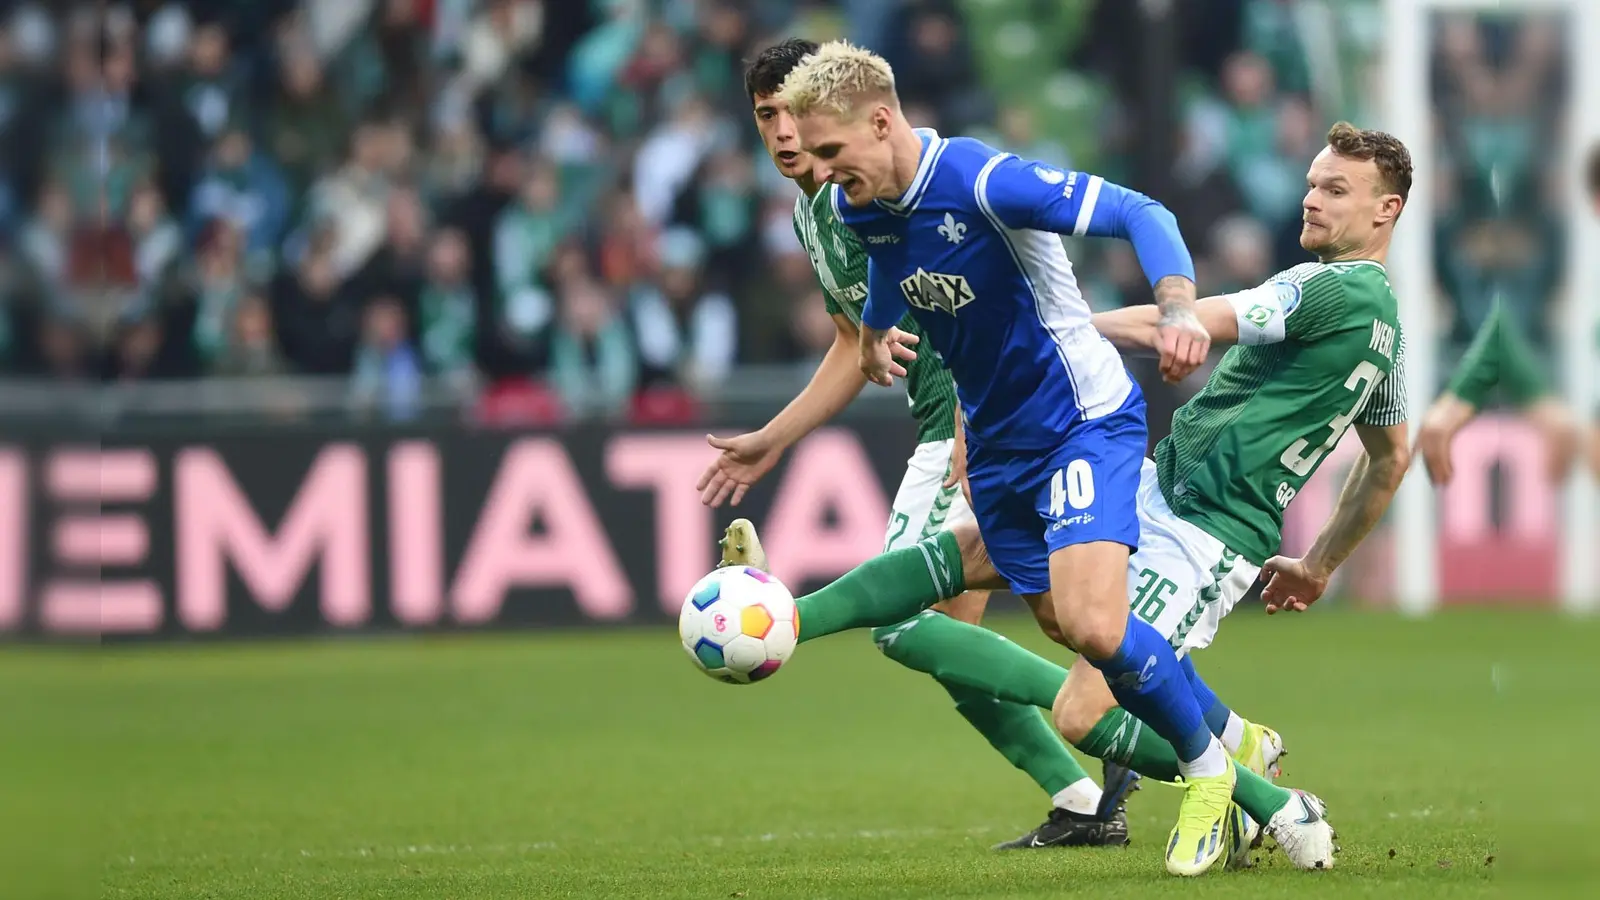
point(788, 156)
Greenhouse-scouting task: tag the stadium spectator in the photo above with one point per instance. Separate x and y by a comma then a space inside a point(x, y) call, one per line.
point(388, 372)
point(526, 234)
point(447, 307)
point(158, 241)
point(935, 68)
point(44, 239)
point(1241, 251)
point(317, 315)
point(242, 187)
point(216, 287)
point(593, 364)
point(627, 244)
point(398, 265)
point(440, 152)
point(209, 90)
point(813, 329)
point(305, 124)
point(688, 335)
point(252, 347)
point(138, 354)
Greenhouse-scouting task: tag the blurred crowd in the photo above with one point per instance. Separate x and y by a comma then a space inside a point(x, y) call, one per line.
point(562, 204)
point(1499, 88)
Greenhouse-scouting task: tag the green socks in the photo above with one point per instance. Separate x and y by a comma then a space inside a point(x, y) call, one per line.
point(956, 653)
point(1023, 737)
point(976, 666)
point(885, 589)
point(1123, 739)
point(993, 681)
point(1257, 796)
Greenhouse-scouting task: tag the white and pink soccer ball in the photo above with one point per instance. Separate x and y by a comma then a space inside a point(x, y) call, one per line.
point(739, 624)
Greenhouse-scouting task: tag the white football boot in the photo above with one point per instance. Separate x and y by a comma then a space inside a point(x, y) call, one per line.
point(1302, 831)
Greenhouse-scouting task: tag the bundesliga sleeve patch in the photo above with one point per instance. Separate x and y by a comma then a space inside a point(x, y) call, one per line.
point(1260, 311)
point(1288, 295)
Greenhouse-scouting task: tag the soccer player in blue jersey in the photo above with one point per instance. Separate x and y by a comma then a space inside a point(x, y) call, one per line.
point(966, 237)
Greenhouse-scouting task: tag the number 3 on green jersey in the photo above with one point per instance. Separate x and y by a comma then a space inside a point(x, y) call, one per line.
point(1301, 458)
point(1320, 349)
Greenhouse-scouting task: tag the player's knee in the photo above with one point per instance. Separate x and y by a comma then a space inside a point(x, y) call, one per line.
point(1098, 636)
point(968, 607)
point(977, 569)
point(1052, 630)
point(1044, 613)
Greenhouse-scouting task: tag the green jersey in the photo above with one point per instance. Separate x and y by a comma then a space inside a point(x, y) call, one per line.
point(1320, 348)
point(841, 267)
point(1499, 357)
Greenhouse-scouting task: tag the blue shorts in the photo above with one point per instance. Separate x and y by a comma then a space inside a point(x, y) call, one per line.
point(1031, 503)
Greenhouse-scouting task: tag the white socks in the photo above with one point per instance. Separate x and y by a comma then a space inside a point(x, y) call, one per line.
point(1233, 732)
point(1215, 761)
point(1081, 796)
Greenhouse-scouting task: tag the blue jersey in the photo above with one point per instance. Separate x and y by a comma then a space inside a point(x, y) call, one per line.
point(972, 249)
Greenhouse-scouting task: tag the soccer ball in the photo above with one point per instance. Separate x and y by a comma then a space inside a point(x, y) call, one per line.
point(739, 624)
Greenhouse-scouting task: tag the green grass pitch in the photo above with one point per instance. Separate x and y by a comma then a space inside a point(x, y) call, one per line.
point(583, 764)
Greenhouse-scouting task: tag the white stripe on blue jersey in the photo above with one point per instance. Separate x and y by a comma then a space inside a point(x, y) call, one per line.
point(995, 295)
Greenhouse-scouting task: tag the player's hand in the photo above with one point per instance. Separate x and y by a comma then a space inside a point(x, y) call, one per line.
point(742, 462)
point(882, 353)
point(1444, 418)
point(1291, 585)
point(1182, 341)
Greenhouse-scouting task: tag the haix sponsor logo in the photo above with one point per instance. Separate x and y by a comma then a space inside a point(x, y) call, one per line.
point(936, 292)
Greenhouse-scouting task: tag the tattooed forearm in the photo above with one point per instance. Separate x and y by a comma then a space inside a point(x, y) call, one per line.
point(1174, 293)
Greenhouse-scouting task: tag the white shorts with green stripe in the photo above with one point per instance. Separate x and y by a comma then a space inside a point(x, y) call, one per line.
point(1182, 581)
point(923, 506)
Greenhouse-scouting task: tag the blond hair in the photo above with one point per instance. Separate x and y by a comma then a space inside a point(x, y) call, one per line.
point(835, 79)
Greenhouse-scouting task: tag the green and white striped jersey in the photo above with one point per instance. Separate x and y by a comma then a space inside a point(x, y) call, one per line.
point(841, 267)
point(1320, 348)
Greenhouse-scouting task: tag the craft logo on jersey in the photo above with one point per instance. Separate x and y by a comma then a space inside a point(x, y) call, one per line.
point(935, 292)
point(1049, 175)
point(953, 231)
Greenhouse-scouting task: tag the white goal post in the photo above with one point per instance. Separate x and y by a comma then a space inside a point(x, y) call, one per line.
point(1411, 269)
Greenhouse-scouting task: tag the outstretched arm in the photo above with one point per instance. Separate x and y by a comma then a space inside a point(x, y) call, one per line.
point(1498, 357)
point(1137, 328)
point(744, 459)
point(836, 382)
point(1031, 195)
point(1295, 584)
